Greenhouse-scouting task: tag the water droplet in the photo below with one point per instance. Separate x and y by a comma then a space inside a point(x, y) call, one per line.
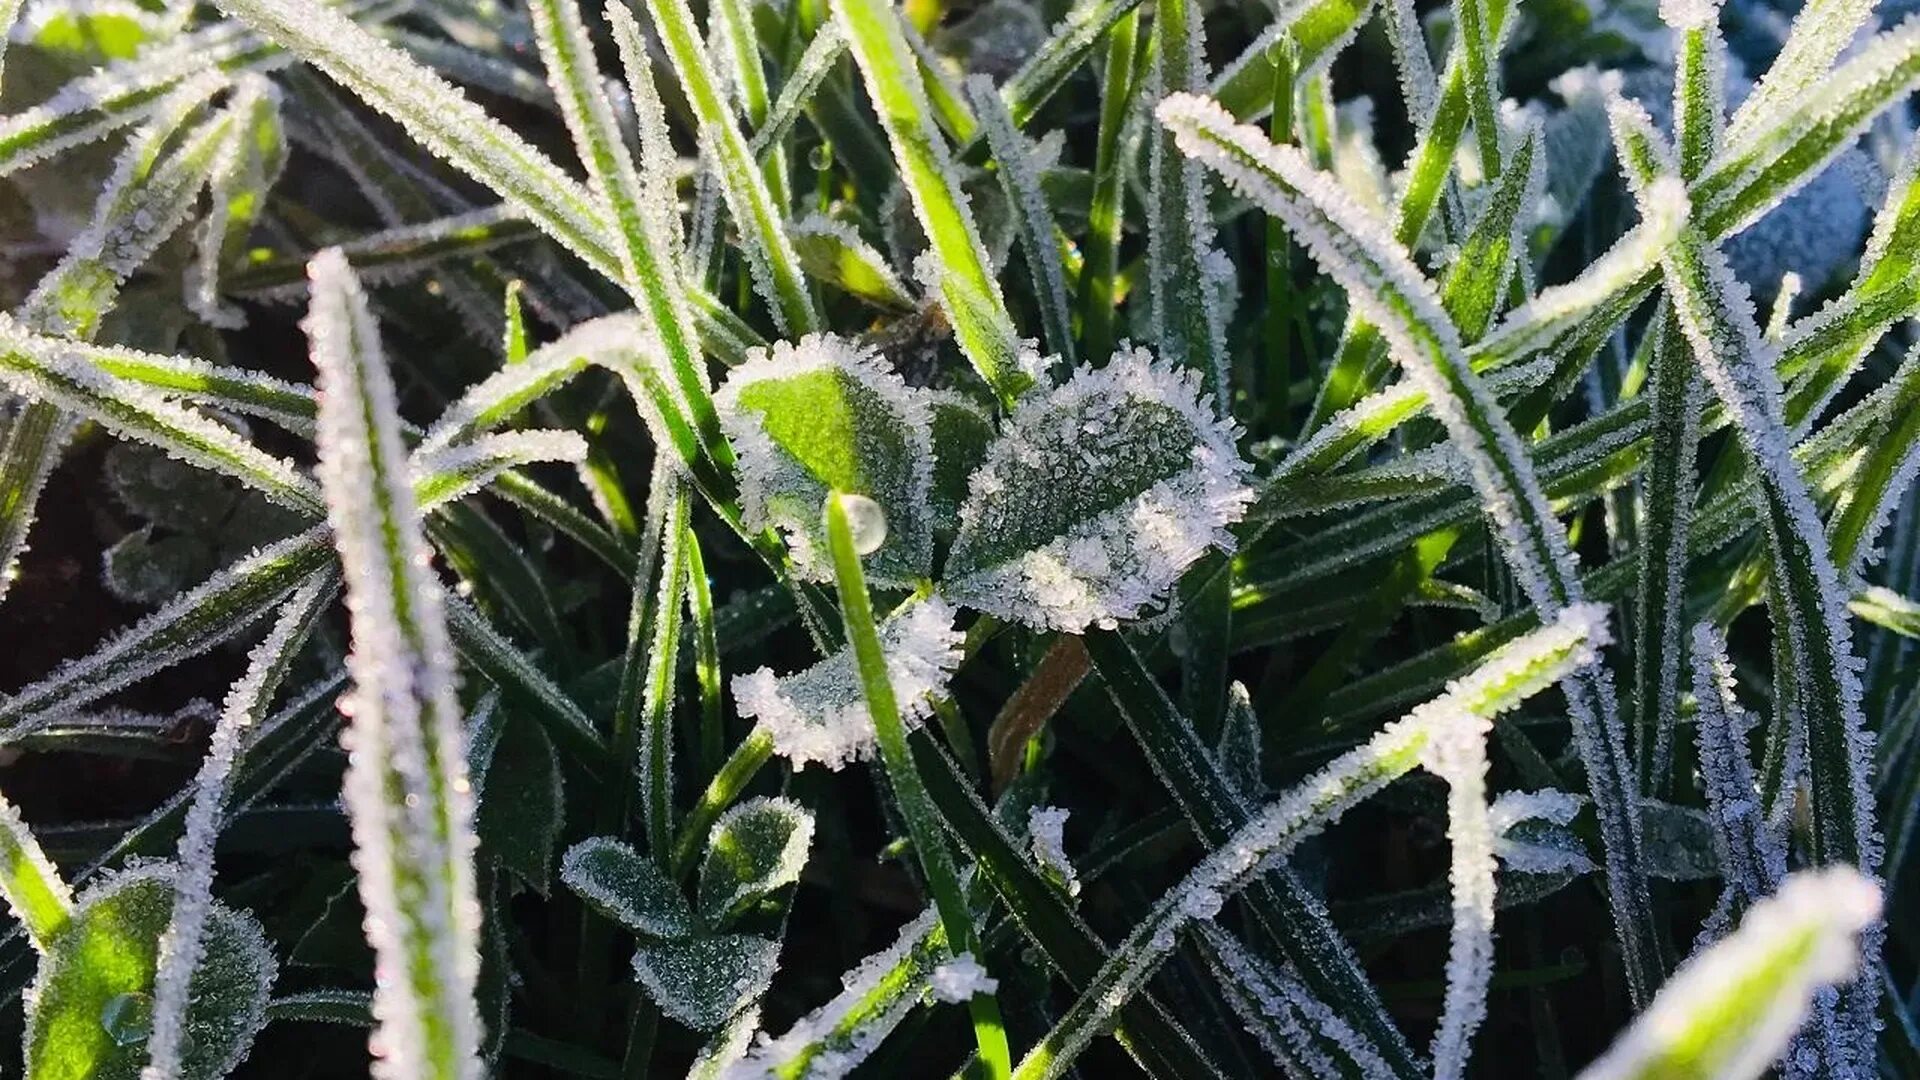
point(127, 1018)
point(821, 158)
point(866, 522)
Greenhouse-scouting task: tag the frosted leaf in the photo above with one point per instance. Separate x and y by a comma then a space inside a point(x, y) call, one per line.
point(1753, 854)
point(248, 164)
point(1303, 1034)
point(183, 943)
point(1523, 843)
point(960, 979)
point(91, 1000)
point(962, 431)
point(1047, 840)
point(1096, 496)
point(830, 251)
point(877, 995)
point(704, 980)
point(626, 887)
point(519, 797)
point(830, 415)
point(1730, 1011)
point(406, 788)
point(757, 847)
point(820, 714)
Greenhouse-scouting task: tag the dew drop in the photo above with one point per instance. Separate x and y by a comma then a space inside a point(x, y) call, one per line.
point(127, 1018)
point(821, 158)
point(866, 522)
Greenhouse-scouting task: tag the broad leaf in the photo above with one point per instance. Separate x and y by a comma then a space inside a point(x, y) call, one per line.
point(756, 847)
point(627, 887)
point(704, 980)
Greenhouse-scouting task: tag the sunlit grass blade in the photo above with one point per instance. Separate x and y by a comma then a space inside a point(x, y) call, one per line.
point(822, 55)
point(35, 891)
point(183, 944)
point(1821, 31)
point(1477, 47)
point(1069, 45)
point(960, 273)
point(1882, 480)
point(771, 260)
point(1523, 669)
point(406, 788)
point(923, 821)
point(1731, 1010)
point(1318, 29)
point(1387, 290)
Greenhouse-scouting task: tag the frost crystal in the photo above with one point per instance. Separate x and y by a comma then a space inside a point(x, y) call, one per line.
point(960, 978)
point(820, 714)
point(1046, 837)
point(1518, 850)
point(1301, 1032)
point(1096, 496)
point(829, 414)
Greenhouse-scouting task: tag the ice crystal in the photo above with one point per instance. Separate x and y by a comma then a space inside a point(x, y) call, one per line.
point(1096, 496)
point(1753, 855)
point(961, 978)
point(820, 714)
point(829, 414)
point(1046, 838)
point(1523, 849)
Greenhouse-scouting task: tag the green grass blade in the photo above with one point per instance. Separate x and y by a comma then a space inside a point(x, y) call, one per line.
point(35, 892)
point(1389, 292)
point(1732, 1009)
point(1187, 326)
point(1214, 807)
point(923, 821)
point(958, 271)
point(1066, 48)
point(1668, 493)
point(406, 788)
point(1522, 670)
point(1125, 67)
point(771, 259)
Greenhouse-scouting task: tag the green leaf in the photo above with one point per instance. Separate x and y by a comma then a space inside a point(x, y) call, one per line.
point(519, 801)
point(89, 1018)
point(703, 981)
point(962, 431)
point(627, 887)
point(1096, 497)
point(756, 847)
point(830, 415)
point(35, 892)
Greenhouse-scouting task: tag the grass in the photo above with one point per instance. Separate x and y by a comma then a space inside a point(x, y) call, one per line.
point(1014, 536)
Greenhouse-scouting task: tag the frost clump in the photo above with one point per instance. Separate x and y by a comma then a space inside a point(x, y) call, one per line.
point(821, 715)
point(1047, 835)
point(960, 978)
point(1096, 496)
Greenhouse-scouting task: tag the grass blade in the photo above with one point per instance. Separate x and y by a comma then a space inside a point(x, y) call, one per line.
point(923, 821)
point(406, 788)
point(1389, 292)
